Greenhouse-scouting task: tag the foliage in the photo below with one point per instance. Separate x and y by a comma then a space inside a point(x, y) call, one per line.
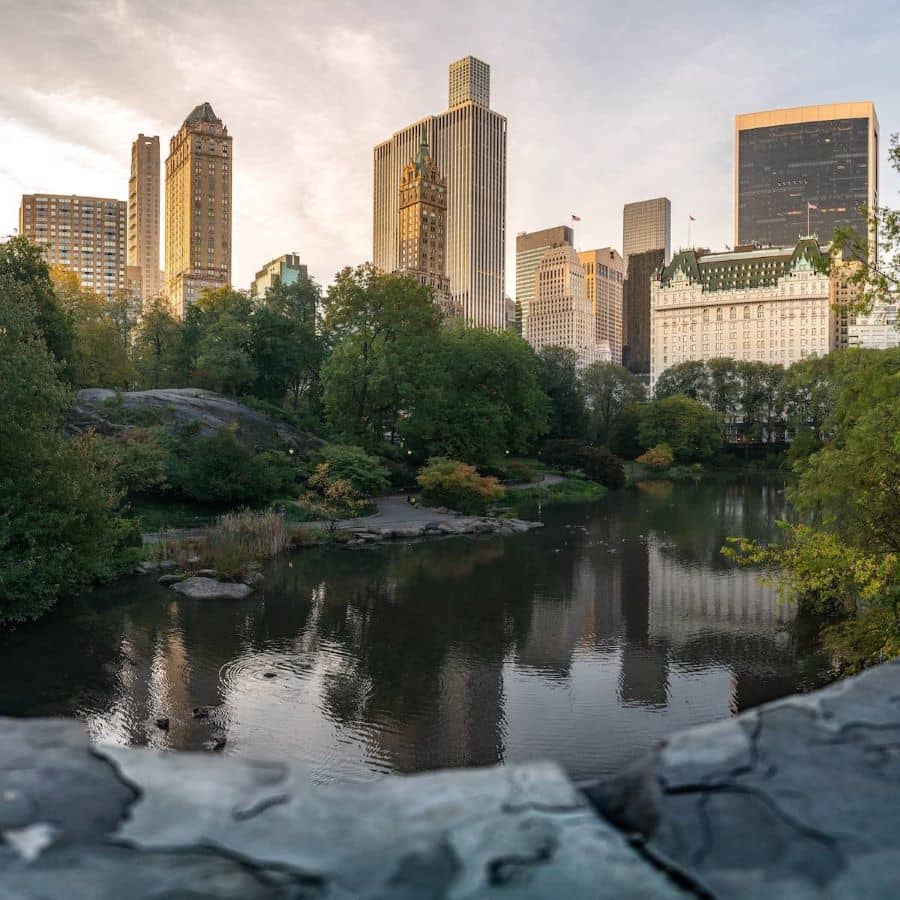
point(483, 401)
point(602, 466)
point(157, 345)
point(658, 457)
point(454, 484)
point(558, 378)
point(624, 438)
point(692, 430)
point(139, 458)
point(520, 472)
point(366, 473)
point(686, 379)
point(570, 490)
point(609, 389)
point(805, 394)
point(562, 454)
point(332, 498)
point(241, 540)
point(60, 525)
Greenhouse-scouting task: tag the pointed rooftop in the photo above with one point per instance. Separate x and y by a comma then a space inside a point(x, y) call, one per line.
point(202, 113)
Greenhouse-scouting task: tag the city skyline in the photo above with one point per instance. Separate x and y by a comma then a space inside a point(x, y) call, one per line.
point(306, 183)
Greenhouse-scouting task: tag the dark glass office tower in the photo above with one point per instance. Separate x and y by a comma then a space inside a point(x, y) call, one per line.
point(804, 169)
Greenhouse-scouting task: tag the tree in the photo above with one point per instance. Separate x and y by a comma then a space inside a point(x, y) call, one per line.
point(687, 379)
point(805, 394)
point(756, 401)
point(724, 388)
point(59, 520)
point(23, 263)
point(483, 401)
point(558, 377)
point(384, 331)
point(692, 430)
point(157, 345)
point(609, 388)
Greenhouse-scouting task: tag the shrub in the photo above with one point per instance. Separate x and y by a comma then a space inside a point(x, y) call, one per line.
point(366, 473)
point(448, 482)
point(332, 498)
point(562, 454)
point(520, 472)
point(658, 457)
point(240, 540)
point(139, 460)
point(602, 466)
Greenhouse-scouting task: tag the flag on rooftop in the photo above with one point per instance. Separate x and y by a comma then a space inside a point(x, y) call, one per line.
point(576, 218)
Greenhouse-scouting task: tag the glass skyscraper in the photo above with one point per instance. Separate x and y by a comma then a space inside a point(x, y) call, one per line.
point(809, 169)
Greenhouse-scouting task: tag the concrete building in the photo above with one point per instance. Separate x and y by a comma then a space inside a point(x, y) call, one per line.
point(878, 329)
point(84, 234)
point(561, 313)
point(646, 245)
point(642, 268)
point(815, 160)
point(143, 214)
point(530, 247)
point(647, 225)
point(422, 226)
point(468, 146)
point(767, 305)
point(604, 273)
point(198, 208)
point(286, 269)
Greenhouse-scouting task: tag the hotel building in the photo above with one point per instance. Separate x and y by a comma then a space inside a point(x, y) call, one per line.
point(84, 234)
point(561, 313)
point(143, 215)
point(198, 208)
point(467, 143)
point(603, 273)
point(766, 305)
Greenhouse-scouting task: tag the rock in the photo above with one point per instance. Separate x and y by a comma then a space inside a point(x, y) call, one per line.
point(201, 588)
point(216, 742)
point(207, 573)
point(203, 712)
point(146, 566)
point(269, 674)
point(253, 578)
point(168, 580)
point(167, 565)
point(163, 723)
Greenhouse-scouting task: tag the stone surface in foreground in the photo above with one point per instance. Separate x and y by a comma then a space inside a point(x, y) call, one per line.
point(202, 588)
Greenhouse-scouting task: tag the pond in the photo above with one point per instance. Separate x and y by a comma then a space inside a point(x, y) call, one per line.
point(585, 641)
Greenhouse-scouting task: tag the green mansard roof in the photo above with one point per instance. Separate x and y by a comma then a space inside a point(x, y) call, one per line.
point(743, 268)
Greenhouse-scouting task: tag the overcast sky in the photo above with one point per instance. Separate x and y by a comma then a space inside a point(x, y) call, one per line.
point(607, 102)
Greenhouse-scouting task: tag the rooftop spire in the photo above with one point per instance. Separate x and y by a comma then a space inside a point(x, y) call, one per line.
point(203, 113)
point(423, 154)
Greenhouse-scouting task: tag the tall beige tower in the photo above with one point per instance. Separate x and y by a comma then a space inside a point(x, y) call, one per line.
point(561, 314)
point(530, 248)
point(198, 208)
point(84, 234)
point(143, 215)
point(603, 274)
point(468, 145)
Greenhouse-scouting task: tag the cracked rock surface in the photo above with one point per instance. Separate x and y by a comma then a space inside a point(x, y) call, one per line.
point(799, 798)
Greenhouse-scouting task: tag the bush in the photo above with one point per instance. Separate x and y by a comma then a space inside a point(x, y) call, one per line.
point(448, 482)
point(520, 472)
point(366, 473)
point(332, 498)
point(562, 454)
point(602, 466)
point(139, 459)
point(658, 457)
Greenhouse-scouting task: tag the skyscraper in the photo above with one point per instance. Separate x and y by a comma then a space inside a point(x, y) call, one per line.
point(646, 225)
point(422, 225)
point(561, 313)
point(603, 273)
point(530, 247)
point(646, 245)
point(468, 145)
point(198, 208)
point(84, 234)
point(809, 168)
point(286, 269)
point(143, 214)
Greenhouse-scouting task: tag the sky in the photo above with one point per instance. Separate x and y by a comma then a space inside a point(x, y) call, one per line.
point(606, 103)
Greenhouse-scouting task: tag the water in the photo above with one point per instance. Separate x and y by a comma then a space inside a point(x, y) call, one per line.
point(586, 642)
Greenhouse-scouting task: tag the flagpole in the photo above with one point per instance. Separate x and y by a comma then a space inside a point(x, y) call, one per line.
point(808, 208)
point(689, 233)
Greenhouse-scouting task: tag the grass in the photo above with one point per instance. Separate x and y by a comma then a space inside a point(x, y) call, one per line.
point(573, 489)
point(153, 516)
point(240, 540)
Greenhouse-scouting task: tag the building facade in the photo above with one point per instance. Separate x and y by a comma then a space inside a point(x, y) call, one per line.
point(762, 305)
point(647, 225)
point(604, 274)
point(806, 170)
point(143, 214)
point(422, 226)
point(879, 329)
point(642, 269)
point(468, 145)
point(561, 314)
point(286, 269)
point(84, 234)
point(530, 248)
point(198, 208)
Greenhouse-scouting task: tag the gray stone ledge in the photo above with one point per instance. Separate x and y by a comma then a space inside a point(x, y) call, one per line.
point(796, 799)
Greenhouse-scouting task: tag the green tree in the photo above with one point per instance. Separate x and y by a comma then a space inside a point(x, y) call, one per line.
point(609, 388)
point(686, 379)
point(558, 376)
point(157, 346)
point(806, 394)
point(724, 389)
point(384, 331)
point(59, 520)
point(691, 429)
point(484, 400)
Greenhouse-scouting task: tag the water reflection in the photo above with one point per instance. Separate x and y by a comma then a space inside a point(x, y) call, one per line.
point(585, 641)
